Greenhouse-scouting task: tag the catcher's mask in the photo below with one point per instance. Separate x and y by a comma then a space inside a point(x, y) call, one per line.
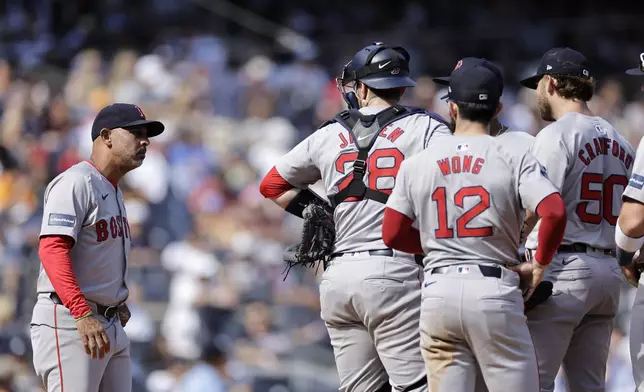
point(379, 67)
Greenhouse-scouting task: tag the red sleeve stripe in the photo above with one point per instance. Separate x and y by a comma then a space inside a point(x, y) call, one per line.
point(57, 262)
point(398, 233)
point(274, 185)
point(552, 212)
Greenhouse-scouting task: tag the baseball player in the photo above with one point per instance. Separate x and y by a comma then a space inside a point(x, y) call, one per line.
point(466, 194)
point(589, 163)
point(513, 137)
point(77, 323)
point(629, 237)
point(369, 294)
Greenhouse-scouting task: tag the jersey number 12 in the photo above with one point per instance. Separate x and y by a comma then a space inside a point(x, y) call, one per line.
point(462, 231)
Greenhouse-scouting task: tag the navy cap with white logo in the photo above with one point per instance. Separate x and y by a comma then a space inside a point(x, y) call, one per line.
point(475, 83)
point(559, 61)
point(124, 115)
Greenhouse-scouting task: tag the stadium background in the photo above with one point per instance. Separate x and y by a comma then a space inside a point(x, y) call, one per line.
point(238, 84)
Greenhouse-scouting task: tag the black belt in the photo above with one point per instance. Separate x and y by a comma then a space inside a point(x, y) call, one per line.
point(380, 252)
point(578, 247)
point(486, 270)
point(582, 248)
point(106, 311)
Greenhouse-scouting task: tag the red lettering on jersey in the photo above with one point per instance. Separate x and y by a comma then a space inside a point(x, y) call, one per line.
point(444, 166)
point(589, 148)
point(119, 222)
point(113, 227)
point(601, 147)
point(343, 140)
point(615, 148)
point(598, 147)
point(126, 226)
point(382, 133)
point(605, 142)
point(467, 163)
point(456, 165)
point(478, 165)
point(581, 156)
point(101, 230)
point(395, 135)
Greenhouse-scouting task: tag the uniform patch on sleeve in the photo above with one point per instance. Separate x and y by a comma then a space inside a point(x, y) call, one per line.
point(636, 181)
point(544, 171)
point(62, 220)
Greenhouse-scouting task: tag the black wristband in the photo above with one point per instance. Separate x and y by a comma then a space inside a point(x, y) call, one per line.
point(301, 200)
point(624, 258)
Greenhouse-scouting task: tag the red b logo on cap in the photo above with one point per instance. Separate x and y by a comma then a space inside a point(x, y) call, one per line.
point(458, 65)
point(140, 111)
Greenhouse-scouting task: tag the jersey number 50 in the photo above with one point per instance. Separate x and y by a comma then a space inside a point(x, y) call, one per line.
point(462, 231)
point(603, 196)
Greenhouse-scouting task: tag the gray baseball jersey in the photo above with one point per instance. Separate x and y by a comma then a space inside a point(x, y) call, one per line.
point(589, 163)
point(82, 204)
point(328, 154)
point(467, 195)
point(635, 190)
point(516, 140)
point(477, 187)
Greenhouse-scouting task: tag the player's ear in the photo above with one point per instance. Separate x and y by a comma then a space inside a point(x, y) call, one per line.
point(363, 91)
point(550, 84)
point(453, 109)
point(106, 137)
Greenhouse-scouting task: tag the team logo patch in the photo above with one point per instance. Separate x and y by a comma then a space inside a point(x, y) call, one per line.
point(61, 220)
point(458, 65)
point(463, 270)
point(636, 181)
point(462, 147)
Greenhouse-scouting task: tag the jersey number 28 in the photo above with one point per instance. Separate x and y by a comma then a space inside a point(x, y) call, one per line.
point(393, 155)
point(462, 230)
point(603, 196)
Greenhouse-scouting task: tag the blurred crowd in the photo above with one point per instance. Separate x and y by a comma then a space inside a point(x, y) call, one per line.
point(210, 304)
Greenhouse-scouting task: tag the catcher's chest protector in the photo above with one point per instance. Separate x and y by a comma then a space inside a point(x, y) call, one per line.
point(365, 130)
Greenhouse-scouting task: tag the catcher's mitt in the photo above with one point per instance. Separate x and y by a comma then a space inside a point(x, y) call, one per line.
point(542, 292)
point(318, 236)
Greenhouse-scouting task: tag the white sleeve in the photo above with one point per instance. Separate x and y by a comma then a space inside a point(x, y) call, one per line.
point(550, 151)
point(298, 167)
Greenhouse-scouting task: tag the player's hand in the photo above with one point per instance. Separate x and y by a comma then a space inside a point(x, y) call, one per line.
point(93, 336)
point(631, 274)
point(124, 314)
point(530, 273)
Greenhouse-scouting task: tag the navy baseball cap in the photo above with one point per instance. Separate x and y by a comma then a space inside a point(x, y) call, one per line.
point(475, 83)
point(470, 62)
point(637, 71)
point(559, 61)
point(124, 115)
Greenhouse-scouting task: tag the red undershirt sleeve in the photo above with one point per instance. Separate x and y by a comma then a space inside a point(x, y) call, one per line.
point(552, 212)
point(398, 233)
point(273, 185)
point(56, 260)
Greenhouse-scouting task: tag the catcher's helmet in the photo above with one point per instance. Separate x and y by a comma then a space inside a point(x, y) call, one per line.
point(639, 71)
point(379, 67)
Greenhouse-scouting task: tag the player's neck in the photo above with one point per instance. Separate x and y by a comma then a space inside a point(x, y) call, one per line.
point(568, 106)
point(470, 128)
point(376, 102)
point(107, 168)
